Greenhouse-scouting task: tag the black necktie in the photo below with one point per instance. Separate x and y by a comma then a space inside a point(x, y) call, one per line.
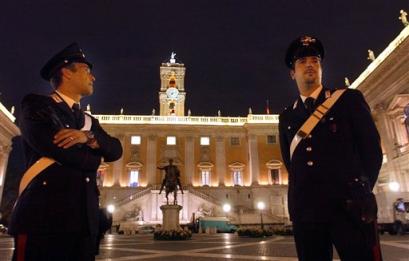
point(79, 115)
point(309, 104)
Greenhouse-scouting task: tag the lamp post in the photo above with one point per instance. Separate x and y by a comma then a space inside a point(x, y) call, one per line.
point(261, 206)
point(226, 208)
point(111, 208)
point(394, 186)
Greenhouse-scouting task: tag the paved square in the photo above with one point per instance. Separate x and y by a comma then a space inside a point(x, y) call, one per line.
point(211, 247)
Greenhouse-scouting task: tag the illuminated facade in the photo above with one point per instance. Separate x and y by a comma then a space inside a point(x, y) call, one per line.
point(234, 160)
point(385, 84)
point(8, 130)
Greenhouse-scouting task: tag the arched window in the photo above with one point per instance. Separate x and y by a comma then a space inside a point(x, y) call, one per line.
point(134, 170)
point(134, 178)
point(205, 169)
point(274, 175)
point(237, 178)
point(237, 173)
point(406, 112)
point(102, 169)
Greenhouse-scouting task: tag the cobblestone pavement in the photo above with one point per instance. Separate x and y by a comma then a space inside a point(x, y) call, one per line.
point(212, 247)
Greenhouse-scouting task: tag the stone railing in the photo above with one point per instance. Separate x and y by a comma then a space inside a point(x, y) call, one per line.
point(188, 120)
point(204, 196)
point(133, 196)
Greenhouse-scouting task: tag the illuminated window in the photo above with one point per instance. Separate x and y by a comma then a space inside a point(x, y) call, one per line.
point(204, 141)
point(136, 140)
point(205, 177)
point(237, 178)
point(234, 141)
point(134, 178)
point(171, 140)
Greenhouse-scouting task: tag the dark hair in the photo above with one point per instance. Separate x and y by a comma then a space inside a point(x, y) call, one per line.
point(56, 79)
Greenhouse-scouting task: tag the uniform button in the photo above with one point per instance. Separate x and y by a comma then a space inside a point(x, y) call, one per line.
point(67, 125)
point(289, 127)
point(309, 149)
point(87, 179)
point(310, 163)
point(309, 136)
point(44, 183)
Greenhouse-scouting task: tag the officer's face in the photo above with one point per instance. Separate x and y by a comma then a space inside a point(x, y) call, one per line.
point(307, 71)
point(82, 80)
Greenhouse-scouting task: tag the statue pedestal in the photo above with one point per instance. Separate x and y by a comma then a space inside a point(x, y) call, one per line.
point(170, 216)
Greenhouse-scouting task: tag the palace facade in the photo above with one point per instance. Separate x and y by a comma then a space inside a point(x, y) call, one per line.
point(222, 160)
point(233, 160)
point(8, 130)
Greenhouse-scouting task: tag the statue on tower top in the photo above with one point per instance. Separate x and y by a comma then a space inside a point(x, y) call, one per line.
point(172, 57)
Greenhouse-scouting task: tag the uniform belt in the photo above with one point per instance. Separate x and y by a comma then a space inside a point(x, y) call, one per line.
point(313, 120)
point(33, 171)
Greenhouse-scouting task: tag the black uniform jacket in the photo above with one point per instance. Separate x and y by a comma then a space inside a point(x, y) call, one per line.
point(63, 198)
point(343, 146)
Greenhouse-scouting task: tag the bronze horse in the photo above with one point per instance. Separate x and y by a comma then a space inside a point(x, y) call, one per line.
point(171, 181)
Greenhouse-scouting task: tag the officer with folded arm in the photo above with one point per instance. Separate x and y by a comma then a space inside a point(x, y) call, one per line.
point(331, 149)
point(56, 214)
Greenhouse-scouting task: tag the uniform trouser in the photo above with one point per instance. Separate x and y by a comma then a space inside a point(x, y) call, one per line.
point(352, 241)
point(63, 247)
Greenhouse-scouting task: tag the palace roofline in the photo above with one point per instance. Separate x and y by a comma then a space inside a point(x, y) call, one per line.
point(7, 113)
point(381, 58)
point(188, 120)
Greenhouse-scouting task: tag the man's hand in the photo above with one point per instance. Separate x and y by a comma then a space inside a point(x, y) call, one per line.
point(66, 138)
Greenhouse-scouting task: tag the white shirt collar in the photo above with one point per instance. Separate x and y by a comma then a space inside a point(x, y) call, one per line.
point(314, 94)
point(70, 102)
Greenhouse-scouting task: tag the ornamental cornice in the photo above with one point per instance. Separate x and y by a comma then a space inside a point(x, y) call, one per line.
point(274, 164)
point(237, 166)
point(387, 74)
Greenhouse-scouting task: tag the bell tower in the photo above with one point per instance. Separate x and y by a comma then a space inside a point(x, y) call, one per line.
point(172, 88)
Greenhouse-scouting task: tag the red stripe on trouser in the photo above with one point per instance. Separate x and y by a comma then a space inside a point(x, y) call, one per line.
point(21, 247)
point(376, 249)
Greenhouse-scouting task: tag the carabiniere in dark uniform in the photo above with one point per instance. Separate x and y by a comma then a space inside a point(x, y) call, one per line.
point(333, 170)
point(60, 205)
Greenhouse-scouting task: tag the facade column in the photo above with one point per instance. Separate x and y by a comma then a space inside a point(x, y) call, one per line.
point(253, 160)
point(151, 160)
point(220, 159)
point(189, 160)
point(118, 165)
point(4, 156)
point(388, 133)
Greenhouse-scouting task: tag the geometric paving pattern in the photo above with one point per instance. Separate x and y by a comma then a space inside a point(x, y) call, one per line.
point(203, 247)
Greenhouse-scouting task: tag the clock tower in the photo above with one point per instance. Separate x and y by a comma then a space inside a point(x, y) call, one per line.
point(172, 88)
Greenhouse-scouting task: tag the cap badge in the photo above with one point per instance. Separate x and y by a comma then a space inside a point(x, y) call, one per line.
point(307, 40)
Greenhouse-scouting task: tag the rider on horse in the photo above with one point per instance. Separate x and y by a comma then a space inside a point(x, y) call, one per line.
point(171, 180)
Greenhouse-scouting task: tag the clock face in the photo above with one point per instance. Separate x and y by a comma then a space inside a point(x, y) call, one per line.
point(172, 92)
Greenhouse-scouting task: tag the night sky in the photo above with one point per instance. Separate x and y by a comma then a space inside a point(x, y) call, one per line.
point(233, 50)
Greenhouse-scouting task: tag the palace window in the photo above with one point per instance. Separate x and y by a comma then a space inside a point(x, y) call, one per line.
point(170, 140)
point(275, 176)
point(205, 178)
point(134, 178)
point(274, 173)
point(271, 139)
point(237, 178)
point(204, 141)
point(234, 141)
point(136, 140)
